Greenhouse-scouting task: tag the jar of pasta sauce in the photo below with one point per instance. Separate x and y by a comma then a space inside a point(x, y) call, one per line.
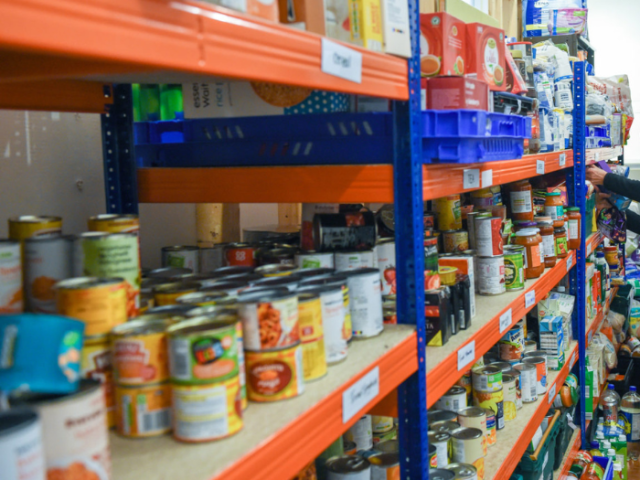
point(554, 208)
point(548, 241)
point(562, 247)
point(530, 240)
point(522, 224)
point(575, 227)
point(521, 199)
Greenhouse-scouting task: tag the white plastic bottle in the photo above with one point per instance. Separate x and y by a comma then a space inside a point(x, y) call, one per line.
point(630, 409)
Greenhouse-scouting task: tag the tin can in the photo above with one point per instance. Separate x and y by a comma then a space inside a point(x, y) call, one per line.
point(475, 417)
point(389, 311)
point(276, 256)
point(361, 433)
point(352, 260)
point(211, 258)
point(528, 381)
point(387, 446)
point(170, 274)
point(541, 372)
point(509, 386)
point(242, 369)
point(143, 410)
point(74, 431)
point(27, 226)
point(204, 349)
point(454, 400)
point(181, 256)
point(275, 374)
point(276, 270)
point(350, 448)
point(21, 452)
point(488, 236)
point(463, 471)
point(514, 267)
point(240, 254)
point(516, 374)
point(114, 223)
point(344, 231)
point(435, 417)
point(202, 413)
point(386, 263)
point(491, 279)
point(290, 282)
point(11, 299)
point(365, 302)
point(493, 401)
point(48, 260)
point(455, 241)
point(139, 352)
point(381, 424)
point(232, 288)
point(467, 446)
point(465, 382)
point(202, 299)
point(96, 364)
point(471, 228)
point(101, 303)
point(530, 346)
point(313, 259)
point(512, 344)
point(385, 466)
point(168, 293)
point(492, 436)
point(348, 467)
point(333, 321)
point(486, 379)
point(448, 213)
point(447, 427)
point(433, 459)
point(269, 320)
point(442, 442)
point(314, 360)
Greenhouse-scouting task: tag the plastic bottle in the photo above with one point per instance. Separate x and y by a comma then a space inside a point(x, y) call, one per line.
point(630, 410)
point(617, 471)
point(609, 406)
point(620, 446)
point(601, 265)
point(596, 450)
point(599, 436)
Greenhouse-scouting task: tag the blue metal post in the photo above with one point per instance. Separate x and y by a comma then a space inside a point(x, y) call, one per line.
point(579, 191)
point(120, 170)
point(409, 227)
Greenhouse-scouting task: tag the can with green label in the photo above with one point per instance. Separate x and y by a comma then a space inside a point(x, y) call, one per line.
point(514, 267)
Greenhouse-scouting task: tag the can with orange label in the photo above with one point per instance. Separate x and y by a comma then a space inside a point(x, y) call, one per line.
point(168, 293)
point(114, 223)
point(139, 352)
point(314, 360)
point(143, 410)
point(101, 303)
point(275, 374)
point(202, 413)
point(96, 364)
point(242, 254)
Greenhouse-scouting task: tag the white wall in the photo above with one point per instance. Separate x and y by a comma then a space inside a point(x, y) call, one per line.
point(614, 33)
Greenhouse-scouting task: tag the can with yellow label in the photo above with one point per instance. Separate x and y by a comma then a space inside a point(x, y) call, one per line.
point(96, 364)
point(27, 226)
point(314, 360)
point(275, 374)
point(143, 410)
point(114, 223)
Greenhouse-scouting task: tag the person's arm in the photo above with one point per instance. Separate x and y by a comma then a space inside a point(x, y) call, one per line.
point(622, 186)
point(633, 221)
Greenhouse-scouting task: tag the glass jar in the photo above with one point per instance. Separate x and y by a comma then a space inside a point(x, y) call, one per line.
point(562, 247)
point(522, 224)
point(521, 196)
point(554, 208)
point(528, 238)
point(540, 250)
point(482, 198)
point(575, 227)
point(548, 240)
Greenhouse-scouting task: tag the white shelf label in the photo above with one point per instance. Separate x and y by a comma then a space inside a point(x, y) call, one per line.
point(356, 397)
point(466, 355)
point(569, 262)
point(341, 61)
point(563, 160)
point(471, 178)
point(540, 167)
point(530, 299)
point(505, 321)
point(572, 362)
point(487, 178)
point(589, 248)
point(552, 393)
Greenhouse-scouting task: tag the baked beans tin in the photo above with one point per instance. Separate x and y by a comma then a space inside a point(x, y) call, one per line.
point(27, 226)
point(486, 378)
point(314, 360)
point(21, 452)
point(491, 277)
point(352, 260)
point(101, 303)
point(381, 424)
point(528, 382)
point(74, 431)
point(139, 352)
point(314, 259)
point(361, 433)
point(512, 344)
point(541, 372)
point(385, 466)
point(386, 263)
point(143, 410)
point(365, 302)
point(467, 446)
point(202, 299)
point(114, 223)
point(275, 374)
point(514, 267)
point(442, 442)
point(488, 236)
point(241, 255)
point(455, 241)
point(448, 213)
point(493, 401)
point(168, 293)
point(348, 467)
point(204, 349)
point(509, 387)
point(11, 299)
point(276, 270)
point(474, 417)
point(96, 364)
point(269, 320)
point(202, 413)
point(181, 256)
point(454, 400)
point(463, 471)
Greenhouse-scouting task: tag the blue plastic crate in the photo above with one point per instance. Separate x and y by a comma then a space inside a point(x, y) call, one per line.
point(607, 465)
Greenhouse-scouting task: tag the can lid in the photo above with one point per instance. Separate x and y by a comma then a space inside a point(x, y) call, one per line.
point(141, 326)
point(472, 412)
point(441, 474)
point(195, 298)
point(467, 433)
point(277, 281)
point(384, 459)
point(169, 272)
point(266, 295)
point(359, 272)
point(87, 282)
point(35, 218)
point(16, 419)
point(347, 464)
point(215, 321)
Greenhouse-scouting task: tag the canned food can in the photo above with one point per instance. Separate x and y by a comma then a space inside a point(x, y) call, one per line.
point(96, 364)
point(181, 256)
point(344, 231)
point(530, 346)
point(274, 375)
point(361, 433)
point(467, 446)
point(74, 431)
point(474, 417)
point(385, 466)
point(204, 349)
point(101, 303)
point(493, 401)
point(290, 282)
point(202, 413)
point(514, 267)
point(276, 270)
point(541, 372)
point(512, 344)
point(11, 298)
point(389, 311)
point(143, 410)
point(442, 442)
point(21, 452)
point(168, 293)
point(387, 446)
point(491, 280)
point(448, 213)
point(516, 374)
point(381, 424)
point(528, 381)
point(211, 258)
point(242, 369)
point(386, 262)
point(333, 321)
point(486, 378)
point(350, 448)
point(365, 302)
point(114, 223)
point(240, 254)
point(465, 382)
point(352, 260)
point(463, 471)
point(435, 417)
point(455, 241)
point(454, 400)
point(202, 299)
point(384, 436)
point(27, 226)
point(139, 352)
point(269, 320)
point(314, 360)
point(510, 397)
point(348, 467)
point(492, 436)
point(170, 274)
point(488, 236)
point(283, 255)
point(314, 259)
point(447, 427)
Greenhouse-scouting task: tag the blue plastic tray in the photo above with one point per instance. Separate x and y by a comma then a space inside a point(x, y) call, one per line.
point(607, 465)
point(339, 138)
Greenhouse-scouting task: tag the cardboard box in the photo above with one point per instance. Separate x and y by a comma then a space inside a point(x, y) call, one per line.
point(454, 92)
point(365, 19)
point(485, 55)
point(306, 14)
point(442, 45)
point(396, 30)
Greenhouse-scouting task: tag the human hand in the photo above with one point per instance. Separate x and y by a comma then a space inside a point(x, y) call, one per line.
point(595, 175)
point(601, 200)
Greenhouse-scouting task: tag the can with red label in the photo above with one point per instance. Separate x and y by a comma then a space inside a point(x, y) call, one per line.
point(386, 253)
point(489, 236)
point(241, 254)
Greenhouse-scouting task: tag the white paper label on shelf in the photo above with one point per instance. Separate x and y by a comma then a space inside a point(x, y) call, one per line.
point(356, 397)
point(471, 178)
point(572, 362)
point(487, 178)
point(563, 160)
point(589, 248)
point(540, 167)
point(569, 262)
point(341, 61)
point(552, 393)
point(530, 299)
point(466, 355)
point(505, 321)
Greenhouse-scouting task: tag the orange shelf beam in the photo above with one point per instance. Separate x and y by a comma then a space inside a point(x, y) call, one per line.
point(57, 96)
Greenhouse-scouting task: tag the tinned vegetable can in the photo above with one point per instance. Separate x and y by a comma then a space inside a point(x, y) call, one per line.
point(11, 300)
point(143, 410)
point(21, 452)
point(493, 401)
point(448, 213)
point(181, 256)
point(514, 267)
point(48, 260)
point(333, 322)
point(486, 378)
point(509, 386)
point(275, 374)
point(27, 226)
point(365, 302)
point(468, 448)
point(454, 400)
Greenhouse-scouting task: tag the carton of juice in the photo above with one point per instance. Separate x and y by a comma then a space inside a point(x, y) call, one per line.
point(442, 45)
point(485, 54)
